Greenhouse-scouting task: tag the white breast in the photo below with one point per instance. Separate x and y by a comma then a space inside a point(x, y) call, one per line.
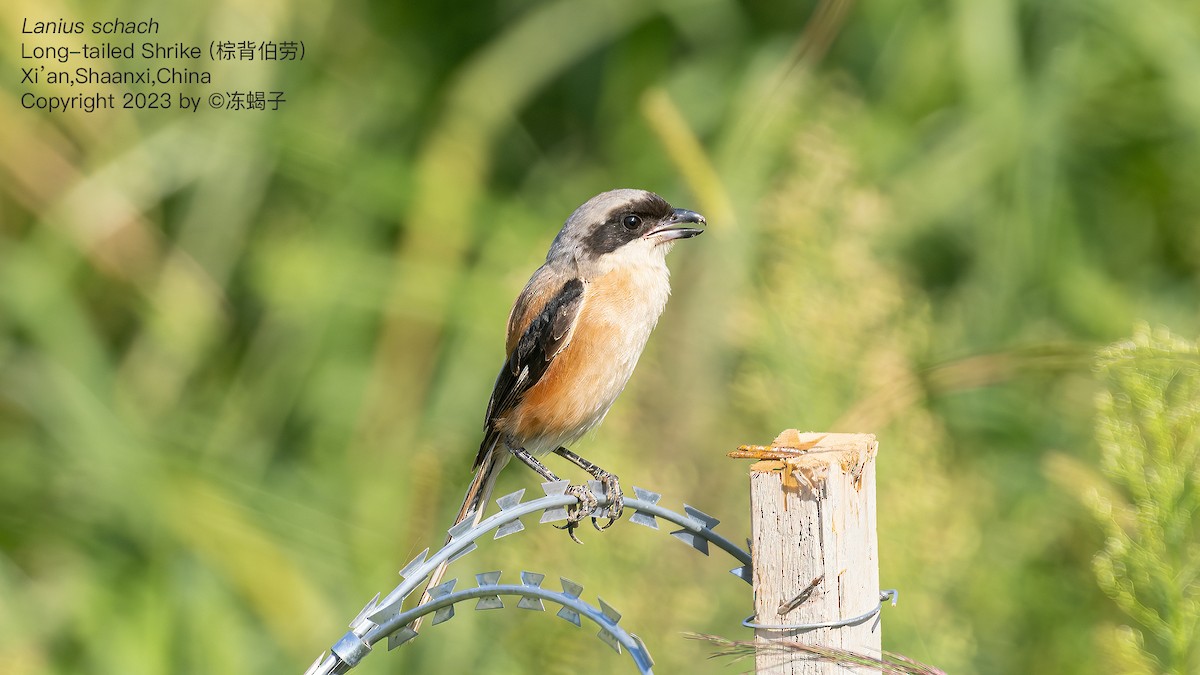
point(621, 307)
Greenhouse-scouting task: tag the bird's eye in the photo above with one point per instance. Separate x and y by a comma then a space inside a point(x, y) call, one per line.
point(631, 222)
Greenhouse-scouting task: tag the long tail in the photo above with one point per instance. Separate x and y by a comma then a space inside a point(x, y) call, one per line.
point(473, 505)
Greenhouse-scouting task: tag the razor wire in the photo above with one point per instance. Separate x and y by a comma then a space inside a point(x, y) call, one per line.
point(386, 618)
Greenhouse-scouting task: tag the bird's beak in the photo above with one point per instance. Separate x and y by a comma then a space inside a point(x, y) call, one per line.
point(667, 230)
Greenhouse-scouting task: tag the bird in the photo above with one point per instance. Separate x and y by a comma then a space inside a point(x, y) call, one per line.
point(575, 334)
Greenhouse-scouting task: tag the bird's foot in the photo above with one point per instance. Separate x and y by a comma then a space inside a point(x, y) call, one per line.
point(616, 500)
point(577, 512)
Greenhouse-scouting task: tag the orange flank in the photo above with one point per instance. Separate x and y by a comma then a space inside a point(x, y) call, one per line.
point(587, 375)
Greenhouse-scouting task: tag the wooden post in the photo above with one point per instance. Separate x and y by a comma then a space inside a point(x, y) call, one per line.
point(812, 504)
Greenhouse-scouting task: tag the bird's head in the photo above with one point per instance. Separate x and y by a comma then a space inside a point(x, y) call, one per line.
point(624, 226)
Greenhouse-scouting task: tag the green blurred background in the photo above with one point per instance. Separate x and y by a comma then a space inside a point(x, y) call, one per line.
point(244, 355)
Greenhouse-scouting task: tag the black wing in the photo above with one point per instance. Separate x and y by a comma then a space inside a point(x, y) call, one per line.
point(539, 344)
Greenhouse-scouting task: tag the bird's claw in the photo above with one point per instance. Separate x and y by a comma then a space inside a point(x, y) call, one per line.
point(616, 501)
point(577, 512)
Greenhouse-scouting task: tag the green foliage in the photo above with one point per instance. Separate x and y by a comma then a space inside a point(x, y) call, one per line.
point(1149, 431)
point(244, 356)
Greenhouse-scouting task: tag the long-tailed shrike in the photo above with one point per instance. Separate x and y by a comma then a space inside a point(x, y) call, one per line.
point(574, 336)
